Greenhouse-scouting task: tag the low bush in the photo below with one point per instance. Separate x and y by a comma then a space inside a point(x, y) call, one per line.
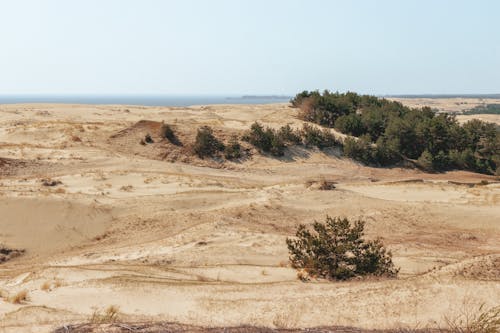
point(167, 132)
point(233, 149)
point(337, 250)
point(289, 135)
point(265, 139)
point(313, 136)
point(350, 124)
point(206, 144)
point(148, 139)
point(360, 150)
point(109, 315)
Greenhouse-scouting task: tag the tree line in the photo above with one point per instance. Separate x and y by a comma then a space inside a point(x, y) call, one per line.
point(388, 132)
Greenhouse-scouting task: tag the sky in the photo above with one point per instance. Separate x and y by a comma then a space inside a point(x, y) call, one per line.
point(249, 46)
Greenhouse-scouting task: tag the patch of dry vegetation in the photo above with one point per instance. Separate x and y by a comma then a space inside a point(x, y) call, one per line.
point(108, 315)
point(7, 254)
point(471, 320)
point(19, 297)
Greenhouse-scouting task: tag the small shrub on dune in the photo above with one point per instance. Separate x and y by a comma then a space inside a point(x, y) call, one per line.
point(167, 132)
point(148, 139)
point(289, 135)
point(336, 250)
point(109, 315)
point(471, 320)
point(361, 150)
point(265, 139)
point(206, 144)
point(313, 136)
point(233, 149)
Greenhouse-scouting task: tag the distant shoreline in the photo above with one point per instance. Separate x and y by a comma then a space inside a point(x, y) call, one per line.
point(143, 100)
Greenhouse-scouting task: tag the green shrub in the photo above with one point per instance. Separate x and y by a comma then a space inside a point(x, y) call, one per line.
point(441, 161)
point(289, 135)
point(350, 124)
point(277, 146)
point(265, 139)
point(206, 144)
point(405, 132)
point(337, 250)
point(426, 160)
point(233, 149)
point(313, 136)
point(386, 153)
point(360, 150)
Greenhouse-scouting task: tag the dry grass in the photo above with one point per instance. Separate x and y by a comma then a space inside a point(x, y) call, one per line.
point(19, 297)
point(303, 275)
point(283, 263)
point(109, 315)
point(127, 188)
point(470, 320)
point(326, 185)
point(45, 286)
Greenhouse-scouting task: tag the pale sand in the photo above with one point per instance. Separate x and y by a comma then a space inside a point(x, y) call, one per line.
point(190, 241)
point(455, 105)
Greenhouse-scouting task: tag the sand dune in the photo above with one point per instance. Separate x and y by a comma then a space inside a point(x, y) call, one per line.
point(166, 236)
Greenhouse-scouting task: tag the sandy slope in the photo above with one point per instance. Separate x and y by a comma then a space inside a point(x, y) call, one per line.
point(166, 236)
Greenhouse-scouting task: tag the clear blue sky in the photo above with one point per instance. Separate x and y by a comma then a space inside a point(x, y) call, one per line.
point(249, 46)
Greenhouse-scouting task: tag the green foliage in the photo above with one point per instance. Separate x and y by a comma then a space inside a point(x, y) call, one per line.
point(351, 124)
point(313, 136)
point(233, 149)
point(361, 150)
point(289, 135)
point(265, 139)
point(488, 109)
point(337, 250)
point(426, 161)
point(206, 144)
point(403, 133)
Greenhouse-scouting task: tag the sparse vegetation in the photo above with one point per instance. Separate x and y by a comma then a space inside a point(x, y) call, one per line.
point(19, 297)
point(470, 320)
point(206, 144)
point(337, 250)
point(148, 139)
point(392, 132)
point(485, 109)
point(109, 315)
point(290, 135)
point(167, 132)
point(326, 185)
point(45, 286)
point(7, 254)
point(313, 136)
point(265, 139)
point(233, 149)
point(51, 182)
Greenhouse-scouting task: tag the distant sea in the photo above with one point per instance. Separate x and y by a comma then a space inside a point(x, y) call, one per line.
point(147, 100)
